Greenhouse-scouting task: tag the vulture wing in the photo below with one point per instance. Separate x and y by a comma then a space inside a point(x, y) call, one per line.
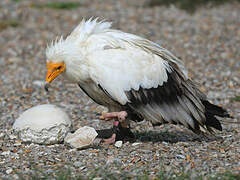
point(152, 84)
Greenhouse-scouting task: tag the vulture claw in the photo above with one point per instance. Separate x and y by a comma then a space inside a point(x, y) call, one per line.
point(116, 133)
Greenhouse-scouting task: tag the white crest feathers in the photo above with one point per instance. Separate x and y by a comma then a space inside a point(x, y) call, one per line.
point(79, 34)
point(87, 28)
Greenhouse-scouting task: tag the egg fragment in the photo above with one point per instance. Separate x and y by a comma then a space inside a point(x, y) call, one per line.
point(42, 124)
point(82, 138)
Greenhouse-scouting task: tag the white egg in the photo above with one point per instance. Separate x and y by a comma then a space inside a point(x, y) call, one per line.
point(43, 124)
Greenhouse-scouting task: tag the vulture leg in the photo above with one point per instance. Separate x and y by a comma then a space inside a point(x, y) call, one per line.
point(119, 131)
point(120, 115)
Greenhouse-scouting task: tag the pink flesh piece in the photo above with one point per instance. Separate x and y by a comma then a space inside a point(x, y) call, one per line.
point(116, 123)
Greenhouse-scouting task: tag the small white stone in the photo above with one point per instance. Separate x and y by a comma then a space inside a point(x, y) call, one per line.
point(136, 143)
point(77, 164)
point(2, 135)
point(82, 138)
point(42, 124)
point(11, 136)
point(180, 156)
point(17, 144)
point(14, 60)
point(118, 144)
point(97, 178)
point(9, 171)
point(164, 143)
point(5, 153)
point(38, 83)
point(72, 150)
point(81, 168)
point(15, 176)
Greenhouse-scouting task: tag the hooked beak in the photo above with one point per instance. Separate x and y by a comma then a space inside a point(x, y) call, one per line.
point(53, 71)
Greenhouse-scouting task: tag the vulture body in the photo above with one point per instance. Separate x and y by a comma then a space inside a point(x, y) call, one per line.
point(125, 72)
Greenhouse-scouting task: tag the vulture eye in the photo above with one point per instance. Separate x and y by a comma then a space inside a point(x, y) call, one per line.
point(59, 68)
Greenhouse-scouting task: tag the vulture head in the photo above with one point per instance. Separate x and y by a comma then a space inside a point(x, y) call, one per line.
point(64, 57)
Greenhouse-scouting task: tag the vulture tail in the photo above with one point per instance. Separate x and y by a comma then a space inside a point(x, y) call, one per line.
point(211, 111)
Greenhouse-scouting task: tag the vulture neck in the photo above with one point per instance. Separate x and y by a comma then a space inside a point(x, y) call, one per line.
point(77, 71)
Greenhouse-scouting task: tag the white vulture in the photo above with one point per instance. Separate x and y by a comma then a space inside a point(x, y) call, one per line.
point(135, 78)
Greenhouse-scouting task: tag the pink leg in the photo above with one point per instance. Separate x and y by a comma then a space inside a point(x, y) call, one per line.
point(121, 119)
point(120, 115)
point(110, 140)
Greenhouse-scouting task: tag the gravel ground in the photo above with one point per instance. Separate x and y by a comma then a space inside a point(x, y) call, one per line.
point(208, 41)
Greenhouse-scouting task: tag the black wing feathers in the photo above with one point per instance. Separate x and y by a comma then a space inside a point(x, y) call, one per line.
point(215, 110)
point(177, 101)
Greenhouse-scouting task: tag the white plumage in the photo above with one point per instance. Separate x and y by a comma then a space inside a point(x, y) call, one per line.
point(126, 72)
point(104, 51)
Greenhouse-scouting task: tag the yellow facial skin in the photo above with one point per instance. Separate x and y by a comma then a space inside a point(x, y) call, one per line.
point(53, 70)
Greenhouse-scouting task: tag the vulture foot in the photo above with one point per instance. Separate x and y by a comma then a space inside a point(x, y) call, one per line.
point(110, 140)
point(116, 133)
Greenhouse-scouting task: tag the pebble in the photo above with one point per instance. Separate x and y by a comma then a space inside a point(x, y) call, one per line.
point(118, 144)
point(50, 171)
point(39, 83)
point(2, 135)
point(5, 153)
point(136, 144)
point(17, 144)
point(11, 136)
point(165, 143)
point(9, 171)
point(77, 164)
point(15, 176)
point(180, 156)
point(14, 60)
point(72, 150)
point(97, 178)
point(82, 168)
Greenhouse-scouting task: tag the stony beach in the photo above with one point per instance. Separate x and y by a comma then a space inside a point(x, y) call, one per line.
point(208, 41)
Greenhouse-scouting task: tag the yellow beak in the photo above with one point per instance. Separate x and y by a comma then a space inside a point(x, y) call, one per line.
point(53, 70)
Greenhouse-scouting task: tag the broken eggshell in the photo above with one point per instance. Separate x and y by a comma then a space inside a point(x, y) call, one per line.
point(42, 124)
point(82, 138)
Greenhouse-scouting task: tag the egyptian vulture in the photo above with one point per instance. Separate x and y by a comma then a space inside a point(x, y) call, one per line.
point(133, 77)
